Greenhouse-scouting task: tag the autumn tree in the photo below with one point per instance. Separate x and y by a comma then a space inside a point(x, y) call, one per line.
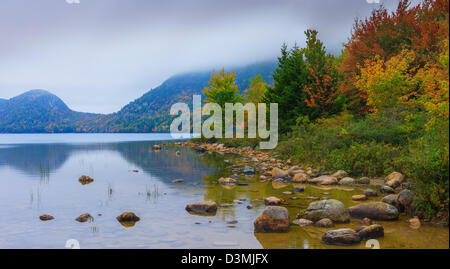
point(222, 89)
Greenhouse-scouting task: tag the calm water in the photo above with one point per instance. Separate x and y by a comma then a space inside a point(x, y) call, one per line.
point(39, 175)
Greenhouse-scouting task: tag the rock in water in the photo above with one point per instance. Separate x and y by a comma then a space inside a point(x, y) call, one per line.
point(394, 179)
point(227, 181)
point(405, 199)
point(299, 189)
point(391, 199)
point(278, 173)
point(84, 217)
point(331, 209)
point(387, 190)
point(202, 207)
point(341, 237)
point(272, 201)
point(366, 221)
point(128, 217)
point(249, 171)
point(85, 179)
point(325, 223)
point(370, 193)
point(360, 197)
point(324, 180)
point(302, 222)
point(273, 219)
point(371, 232)
point(346, 181)
point(340, 174)
point(374, 210)
point(200, 149)
point(178, 180)
point(363, 180)
point(46, 217)
point(156, 147)
point(300, 178)
point(414, 223)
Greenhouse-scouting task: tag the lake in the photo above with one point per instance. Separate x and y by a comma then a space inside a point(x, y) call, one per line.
point(39, 175)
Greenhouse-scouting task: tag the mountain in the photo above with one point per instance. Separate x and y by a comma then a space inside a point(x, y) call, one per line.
point(150, 113)
point(38, 111)
point(41, 111)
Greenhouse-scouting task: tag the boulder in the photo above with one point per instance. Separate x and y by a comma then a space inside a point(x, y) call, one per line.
point(324, 223)
point(300, 178)
point(340, 174)
point(371, 232)
point(391, 199)
point(331, 209)
point(85, 179)
point(128, 217)
point(46, 217)
point(405, 200)
point(370, 193)
point(294, 170)
point(374, 210)
point(363, 180)
point(324, 180)
point(84, 217)
point(202, 207)
point(272, 201)
point(227, 181)
point(359, 197)
point(387, 190)
point(394, 179)
point(277, 173)
point(273, 219)
point(341, 237)
point(302, 222)
point(346, 181)
point(178, 180)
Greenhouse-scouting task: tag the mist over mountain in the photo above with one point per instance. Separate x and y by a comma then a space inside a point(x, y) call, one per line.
point(40, 111)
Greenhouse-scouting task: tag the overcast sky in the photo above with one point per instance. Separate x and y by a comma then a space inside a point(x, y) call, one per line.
point(98, 55)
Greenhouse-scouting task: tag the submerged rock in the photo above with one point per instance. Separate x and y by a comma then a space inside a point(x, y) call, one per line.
point(331, 209)
point(299, 189)
point(273, 219)
point(374, 210)
point(414, 223)
point(46, 217)
point(200, 149)
point(84, 217)
point(366, 221)
point(249, 171)
point(85, 179)
point(341, 237)
point(202, 207)
point(405, 199)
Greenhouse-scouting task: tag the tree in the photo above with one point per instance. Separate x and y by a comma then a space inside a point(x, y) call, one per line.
point(288, 91)
point(256, 91)
point(222, 89)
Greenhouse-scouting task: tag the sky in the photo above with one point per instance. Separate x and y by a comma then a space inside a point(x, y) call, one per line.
point(98, 55)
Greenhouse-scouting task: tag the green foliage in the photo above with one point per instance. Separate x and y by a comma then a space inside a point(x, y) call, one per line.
point(256, 91)
point(222, 89)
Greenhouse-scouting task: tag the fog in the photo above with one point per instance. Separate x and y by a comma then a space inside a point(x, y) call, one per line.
point(97, 55)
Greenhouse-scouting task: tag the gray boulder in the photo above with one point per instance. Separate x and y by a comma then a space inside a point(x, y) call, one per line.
point(331, 209)
point(374, 210)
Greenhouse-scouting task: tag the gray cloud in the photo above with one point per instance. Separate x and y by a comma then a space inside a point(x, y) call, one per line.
point(100, 54)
